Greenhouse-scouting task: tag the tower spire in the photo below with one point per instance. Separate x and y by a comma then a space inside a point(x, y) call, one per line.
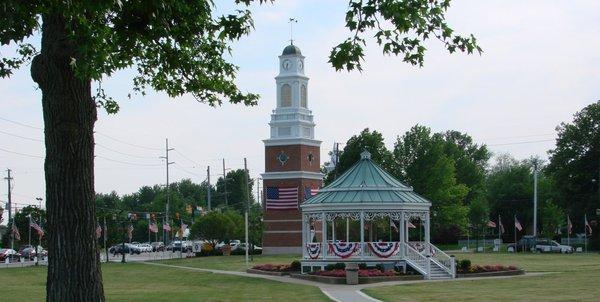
point(291, 22)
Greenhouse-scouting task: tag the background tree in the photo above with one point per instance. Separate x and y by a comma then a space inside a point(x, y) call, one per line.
point(177, 47)
point(214, 227)
point(236, 193)
point(21, 219)
point(575, 165)
point(479, 213)
point(366, 140)
point(552, 219)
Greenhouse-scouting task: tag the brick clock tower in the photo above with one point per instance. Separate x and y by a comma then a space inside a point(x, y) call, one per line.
point(292, 158)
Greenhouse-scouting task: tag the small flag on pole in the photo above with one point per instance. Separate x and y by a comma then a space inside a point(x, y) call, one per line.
point(588, 227)
point(130, 232)
point(500, 225)
point(153, 227)
point(309, 192)
point(15, 232)
point(393, 225)
point(518, 224)
point(410, 225)
point(37, 228)
point(183, 228)
point(98, 230)
point(491, 224)
point(569, 225)
point(166, 227)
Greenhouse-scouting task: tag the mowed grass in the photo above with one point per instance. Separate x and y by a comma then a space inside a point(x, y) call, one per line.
point(570, 278)
point(231, 263)
point(142, 282)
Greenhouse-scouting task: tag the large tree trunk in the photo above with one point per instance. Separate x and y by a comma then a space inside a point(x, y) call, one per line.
point(69, 116)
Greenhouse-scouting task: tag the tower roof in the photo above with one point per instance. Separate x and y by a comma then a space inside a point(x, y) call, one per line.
point(291, 50)
point(366, 182)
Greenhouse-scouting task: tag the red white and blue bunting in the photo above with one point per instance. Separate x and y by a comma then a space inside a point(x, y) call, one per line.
point(384, 249)
point(343, 249)
point(314, 250)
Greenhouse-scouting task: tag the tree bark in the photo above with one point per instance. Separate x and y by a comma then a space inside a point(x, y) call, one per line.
point(69, 115)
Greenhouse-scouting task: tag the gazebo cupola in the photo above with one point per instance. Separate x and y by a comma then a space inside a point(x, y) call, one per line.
point(363, 195)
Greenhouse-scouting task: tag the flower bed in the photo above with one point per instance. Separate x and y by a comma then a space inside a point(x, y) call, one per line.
point(361, 273)
point(465, 269)
point(275, 269)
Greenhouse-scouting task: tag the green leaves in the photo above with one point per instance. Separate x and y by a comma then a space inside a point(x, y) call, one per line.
point(400, 27)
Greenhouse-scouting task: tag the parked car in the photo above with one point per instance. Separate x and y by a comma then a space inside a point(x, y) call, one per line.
point(28, 253)
point(551, 246)
point(527, 243)
point(157, 246)
point(10, 254)
point(242, 246)
point(145, 247)
point(177, 246)
point(128, 249)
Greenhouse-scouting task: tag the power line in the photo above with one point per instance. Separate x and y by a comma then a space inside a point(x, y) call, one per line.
point(19, 153)
point(22, 137)
point(123, 153)
point(127, 143)
point(178, 167)
point(187, 158)
point(20, 124)
point(128, 163)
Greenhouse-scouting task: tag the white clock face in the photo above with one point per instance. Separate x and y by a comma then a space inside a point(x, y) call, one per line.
point(286, 64)
point(300, 64)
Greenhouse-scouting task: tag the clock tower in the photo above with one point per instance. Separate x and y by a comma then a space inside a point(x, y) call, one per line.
point(292, 157)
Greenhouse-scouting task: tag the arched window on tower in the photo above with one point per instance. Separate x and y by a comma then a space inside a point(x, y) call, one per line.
point(303, 96)
point(286, 95)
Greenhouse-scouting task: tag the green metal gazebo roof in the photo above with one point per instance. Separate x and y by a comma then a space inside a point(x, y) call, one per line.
point(366, 182)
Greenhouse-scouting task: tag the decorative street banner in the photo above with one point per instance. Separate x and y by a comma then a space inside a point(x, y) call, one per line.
point(344, 249)
point(384, 249)
point(314, 250)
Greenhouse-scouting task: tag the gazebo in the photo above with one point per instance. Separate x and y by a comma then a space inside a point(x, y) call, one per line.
point(364, 198)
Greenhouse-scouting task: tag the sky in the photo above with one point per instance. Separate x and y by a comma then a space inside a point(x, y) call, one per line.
point(540, 66)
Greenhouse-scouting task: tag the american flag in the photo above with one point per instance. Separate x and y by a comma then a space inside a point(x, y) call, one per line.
point(518, 224)
point(15, 232)
point(98, 231)
point(569, 225)
point(501, 226)
point(410, 225)
point(130, 232)
point(310, 192)
point(393, 225)
point(282, 198)
point(491, 224)
point(36, 227)
point(588, 227)
point(183, 228)
point(166, 227)
point(153, 227)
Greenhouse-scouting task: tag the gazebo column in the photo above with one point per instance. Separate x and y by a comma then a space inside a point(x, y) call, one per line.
point(427, 230)
point(324, 235)
point(401, 235)
point(305, 235)
point(347, 229)
point(333, 230)
point(362, 235)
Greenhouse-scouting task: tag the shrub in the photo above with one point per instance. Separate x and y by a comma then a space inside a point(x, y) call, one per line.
point(329, 267)
point(295, 265)
point(380, 267)
point(362, 266)
point(339, 265)
point(464, 265)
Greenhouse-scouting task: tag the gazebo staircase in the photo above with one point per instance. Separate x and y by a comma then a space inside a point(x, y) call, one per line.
point(436, 266)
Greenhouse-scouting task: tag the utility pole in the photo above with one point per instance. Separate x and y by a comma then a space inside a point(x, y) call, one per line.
point(9, 206)
point(535, 197)
point(336, 150)
point(247, 207)
point(167, 164)
point(225, 183)
point(208, 189)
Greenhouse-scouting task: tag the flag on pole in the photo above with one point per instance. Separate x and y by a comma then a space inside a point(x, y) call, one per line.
point(310, 192)
point(282, 198)
point(36, 227)
point(500, 225)
point(98, 230)
point(166, 227)
point(15, 232)
point(393, 225)
point(183, 228)
point(518, 224)
point(491, 224)
point(588, 227)
point(569, 225)
point(130, 232)
point(410, 225)
point(153, 227)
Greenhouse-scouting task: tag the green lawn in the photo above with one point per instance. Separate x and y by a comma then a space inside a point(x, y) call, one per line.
point(141, 282)
point(573, 278)
point(231, 263)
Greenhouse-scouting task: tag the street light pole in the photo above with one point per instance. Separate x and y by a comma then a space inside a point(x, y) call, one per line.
point(535, 198)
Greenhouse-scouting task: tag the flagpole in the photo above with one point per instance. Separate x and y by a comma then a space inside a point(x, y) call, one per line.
point(568, 232)
point(29, 228)
point(515, 227)
point(105, 247)
point(585, 231)
point(499, 232)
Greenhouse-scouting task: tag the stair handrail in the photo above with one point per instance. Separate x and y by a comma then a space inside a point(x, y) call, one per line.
point(414, 257)
point(442, 259)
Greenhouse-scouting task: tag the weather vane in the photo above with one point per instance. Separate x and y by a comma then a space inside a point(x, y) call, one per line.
point(291, 22)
